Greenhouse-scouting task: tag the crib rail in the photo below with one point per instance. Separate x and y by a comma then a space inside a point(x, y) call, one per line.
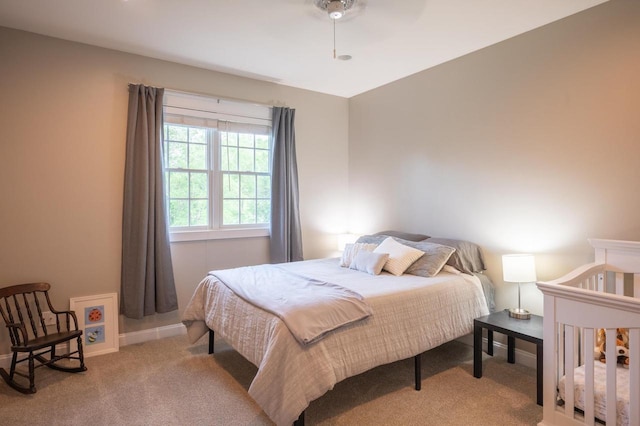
point(591, 297)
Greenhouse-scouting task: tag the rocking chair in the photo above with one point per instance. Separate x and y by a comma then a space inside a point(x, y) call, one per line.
point(22, 308)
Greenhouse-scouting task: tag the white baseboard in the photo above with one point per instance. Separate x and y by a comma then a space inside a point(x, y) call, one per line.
point(525, 358)
point(124, 339)
point(156, 333)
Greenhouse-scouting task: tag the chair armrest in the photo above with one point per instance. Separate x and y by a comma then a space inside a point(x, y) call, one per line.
point(19, 332)
point(68, 314)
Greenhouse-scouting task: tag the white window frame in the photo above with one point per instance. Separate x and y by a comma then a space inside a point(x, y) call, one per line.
point(198, 110)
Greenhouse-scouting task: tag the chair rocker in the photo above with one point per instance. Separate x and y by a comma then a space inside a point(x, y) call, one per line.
point(22, 307)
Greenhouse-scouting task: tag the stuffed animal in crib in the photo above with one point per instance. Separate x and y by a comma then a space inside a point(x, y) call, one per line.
point(622, 346)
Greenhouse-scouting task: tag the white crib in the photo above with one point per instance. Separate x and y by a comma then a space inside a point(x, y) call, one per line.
point(604, 294)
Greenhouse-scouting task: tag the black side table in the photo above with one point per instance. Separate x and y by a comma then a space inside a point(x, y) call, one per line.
point(529, 330)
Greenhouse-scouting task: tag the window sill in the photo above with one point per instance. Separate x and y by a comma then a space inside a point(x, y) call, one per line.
point(218, 234)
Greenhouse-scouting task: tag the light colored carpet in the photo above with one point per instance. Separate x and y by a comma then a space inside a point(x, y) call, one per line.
point(169, 382)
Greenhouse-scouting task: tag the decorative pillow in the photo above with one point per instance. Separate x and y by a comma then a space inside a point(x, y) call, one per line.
point(403, 235)
point(400, 256)
point(467, 257)
point(369, 262)
point(371, 239)
point(434, 258)
point(450, 269)
point(351, 250)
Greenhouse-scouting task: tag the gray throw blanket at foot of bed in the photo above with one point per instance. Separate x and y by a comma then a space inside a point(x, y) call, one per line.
point(310, 308)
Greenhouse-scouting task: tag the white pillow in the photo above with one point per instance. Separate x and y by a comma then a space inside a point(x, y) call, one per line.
point(351, 250)
point(369, 262)
point(400, 256)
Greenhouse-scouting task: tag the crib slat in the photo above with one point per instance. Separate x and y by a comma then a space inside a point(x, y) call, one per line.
point(591, 282)
point(634, 376)
point(636, 285)
point(612, 357)
point(602, 282)
point(589, 411)
point(620, 283)
point(569, 363)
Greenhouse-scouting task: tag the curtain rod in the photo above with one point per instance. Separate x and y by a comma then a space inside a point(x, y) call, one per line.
point(220, 99)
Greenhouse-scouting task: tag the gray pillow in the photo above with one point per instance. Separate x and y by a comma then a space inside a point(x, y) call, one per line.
point(403, 235)
point(434, 258)
point(467, 257)
point(371, 239)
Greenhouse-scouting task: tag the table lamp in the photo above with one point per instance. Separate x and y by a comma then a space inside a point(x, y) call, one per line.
point(519, 268)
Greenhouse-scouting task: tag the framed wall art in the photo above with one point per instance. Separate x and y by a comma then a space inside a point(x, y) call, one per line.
point(98, 320)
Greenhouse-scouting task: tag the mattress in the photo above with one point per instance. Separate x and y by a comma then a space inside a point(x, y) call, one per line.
point(411, 315)
point(599, 391)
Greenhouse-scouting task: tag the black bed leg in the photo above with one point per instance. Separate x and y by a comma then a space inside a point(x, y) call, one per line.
point(418, 372)
point(211, 336)
point(300, 421)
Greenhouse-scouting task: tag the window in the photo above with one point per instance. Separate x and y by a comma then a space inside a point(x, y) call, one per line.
point(218, 171)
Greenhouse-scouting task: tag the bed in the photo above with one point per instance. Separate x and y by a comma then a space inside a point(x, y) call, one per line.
point(410, 315)
point(600, 299)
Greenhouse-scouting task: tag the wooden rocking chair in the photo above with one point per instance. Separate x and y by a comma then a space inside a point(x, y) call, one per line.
point(23, 307)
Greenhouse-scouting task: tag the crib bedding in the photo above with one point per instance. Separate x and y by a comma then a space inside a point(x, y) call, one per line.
point(411, 315)
point(600, 386)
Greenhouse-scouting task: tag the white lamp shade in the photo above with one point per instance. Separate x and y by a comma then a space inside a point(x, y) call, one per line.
point(519, 268)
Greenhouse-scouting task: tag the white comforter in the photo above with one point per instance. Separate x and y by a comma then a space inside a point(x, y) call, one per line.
point(410, 315)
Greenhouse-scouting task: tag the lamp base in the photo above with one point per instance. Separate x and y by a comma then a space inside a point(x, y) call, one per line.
point(519, 313)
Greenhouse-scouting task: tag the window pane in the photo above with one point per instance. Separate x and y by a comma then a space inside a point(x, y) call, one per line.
point(262, 141)
point(231, 212)
point(248, 211)
point(178, 213)
point(177, 155)
point(263, 214)
point(246, 140)
point(264, 187)
point(198, 135)
point(178, 185)
point(199, 185)
point(246, 160)
point(262, 161)
point(199, 213)
point(177, 133)
point(247, 186)
point(229, 159)
point(230, 185)
point(230, 139)
point(197, 156)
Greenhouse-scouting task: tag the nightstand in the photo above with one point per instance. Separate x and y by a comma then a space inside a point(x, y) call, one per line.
point(529, 330)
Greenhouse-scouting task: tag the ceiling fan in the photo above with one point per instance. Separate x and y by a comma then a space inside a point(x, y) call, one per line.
point(336, 9)
point(367, 20)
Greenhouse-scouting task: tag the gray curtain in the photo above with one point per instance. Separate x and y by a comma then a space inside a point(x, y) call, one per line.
point(147, 284)
point(286, 236)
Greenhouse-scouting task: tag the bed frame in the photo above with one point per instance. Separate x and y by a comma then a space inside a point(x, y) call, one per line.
point(417, 366)
point(593, 296)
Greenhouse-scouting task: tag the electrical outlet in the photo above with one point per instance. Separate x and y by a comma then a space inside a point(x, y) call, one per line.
point(49, 318)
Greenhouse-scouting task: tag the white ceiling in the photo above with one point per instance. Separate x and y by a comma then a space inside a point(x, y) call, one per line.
point(290, 42)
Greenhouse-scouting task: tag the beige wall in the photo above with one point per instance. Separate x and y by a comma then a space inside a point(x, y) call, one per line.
point(63, 109)
point(531, 145)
